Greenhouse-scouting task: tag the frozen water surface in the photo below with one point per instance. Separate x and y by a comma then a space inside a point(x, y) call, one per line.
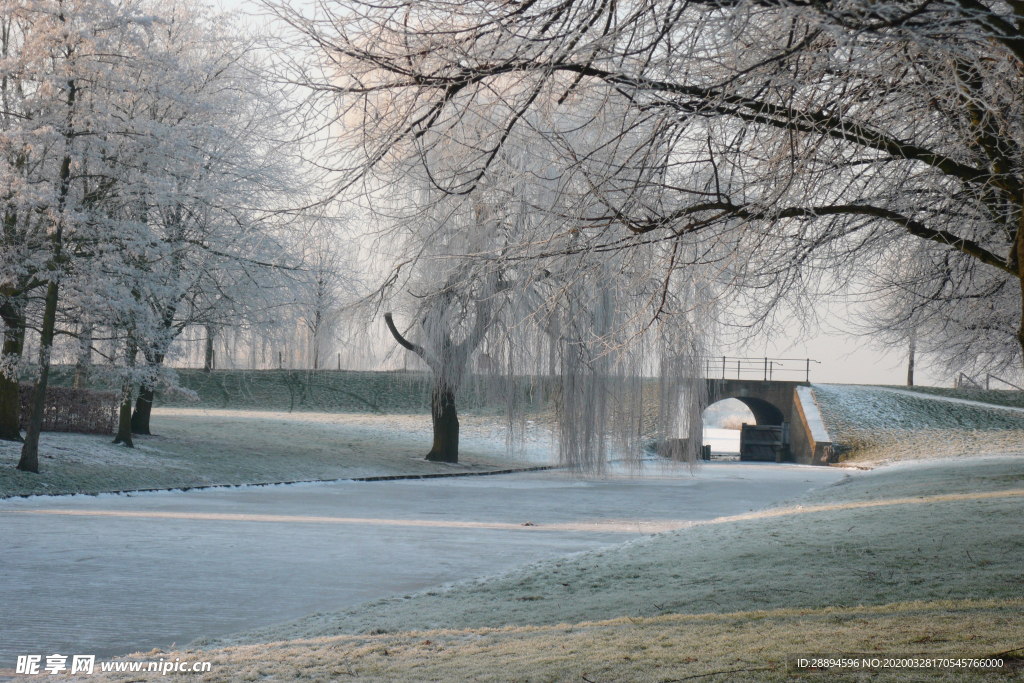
point(115, 574)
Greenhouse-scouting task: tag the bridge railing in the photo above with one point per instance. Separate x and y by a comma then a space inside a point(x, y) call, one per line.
point(767, 369)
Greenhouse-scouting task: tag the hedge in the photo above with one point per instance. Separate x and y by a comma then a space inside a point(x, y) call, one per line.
point(73, 410)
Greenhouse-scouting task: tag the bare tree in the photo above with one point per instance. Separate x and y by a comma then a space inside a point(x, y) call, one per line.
point(945, 307)
point(321, 288)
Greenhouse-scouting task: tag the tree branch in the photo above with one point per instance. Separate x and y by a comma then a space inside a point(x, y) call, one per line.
point(415, 348)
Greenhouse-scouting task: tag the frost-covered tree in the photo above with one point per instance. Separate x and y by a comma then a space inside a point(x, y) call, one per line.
point(451, 303)
point(321, 290)
point(791, 138)
point(944, 307)
point(495, 268)
point(140, 156)
point(504, 239)
point(63, 63)
point(215, 206)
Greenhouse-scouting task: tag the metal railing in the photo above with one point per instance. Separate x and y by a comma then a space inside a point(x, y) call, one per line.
point(766, 369)
point(964, 380)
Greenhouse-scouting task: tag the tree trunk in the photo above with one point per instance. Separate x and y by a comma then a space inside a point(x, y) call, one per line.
point(446, 426)
point(1019, 246)
point(208, 359)
point(143, 410)
point(84, 361)
point(30, 450)
point(10, 397)
point(1020, 330)
point(910, 363)
point(144, 403)
point(124, 419)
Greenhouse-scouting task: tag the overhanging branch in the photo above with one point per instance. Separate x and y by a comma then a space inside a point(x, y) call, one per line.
point(415, 348)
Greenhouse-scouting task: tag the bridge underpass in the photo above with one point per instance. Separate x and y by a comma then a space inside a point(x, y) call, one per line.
point(788, 424)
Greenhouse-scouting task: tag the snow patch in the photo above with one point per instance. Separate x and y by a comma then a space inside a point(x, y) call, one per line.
point(812, 415)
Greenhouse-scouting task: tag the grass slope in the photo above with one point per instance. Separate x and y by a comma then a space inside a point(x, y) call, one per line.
point(341, 391)
point(874, 425)
point(999, 397)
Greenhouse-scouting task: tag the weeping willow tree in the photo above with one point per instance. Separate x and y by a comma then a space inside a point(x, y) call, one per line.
point(631, 361)
point(620, 374)
point(451, 299)
point(507, 237)
point(622, 339)
point(454, 321)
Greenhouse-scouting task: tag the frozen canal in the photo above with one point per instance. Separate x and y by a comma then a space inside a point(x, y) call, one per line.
point(115, 574)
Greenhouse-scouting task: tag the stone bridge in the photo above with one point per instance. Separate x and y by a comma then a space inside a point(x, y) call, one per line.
point(780, 403)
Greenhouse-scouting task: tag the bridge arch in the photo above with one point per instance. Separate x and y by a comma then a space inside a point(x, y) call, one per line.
point(764, 412)
point(770, 402)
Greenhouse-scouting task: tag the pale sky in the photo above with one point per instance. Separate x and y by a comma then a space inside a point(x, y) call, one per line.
point(848, 360)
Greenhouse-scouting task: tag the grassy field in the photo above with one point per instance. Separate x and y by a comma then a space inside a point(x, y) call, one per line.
point(742, 646)
point(197, 447)
point(1001, 397)
point(233, 427)
point(924, 557)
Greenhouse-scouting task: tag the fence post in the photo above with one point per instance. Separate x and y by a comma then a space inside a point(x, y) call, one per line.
point(723, 367)
point(766, 369)
point(737, 368)
point(808, 370)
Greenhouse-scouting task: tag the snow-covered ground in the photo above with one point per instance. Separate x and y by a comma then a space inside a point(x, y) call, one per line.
point(788, 556)
point(199, 447)
point(920, 558)
point(949, 399)
point(114, 574)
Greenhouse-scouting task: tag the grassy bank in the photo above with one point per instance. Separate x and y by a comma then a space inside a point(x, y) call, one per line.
point(999, 397)
point(873, 425)
point(341, 391)
point(743, 646)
